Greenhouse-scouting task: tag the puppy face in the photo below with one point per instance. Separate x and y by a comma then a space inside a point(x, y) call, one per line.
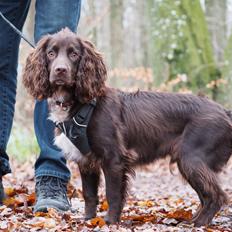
point(63, 55)
point(63, 59)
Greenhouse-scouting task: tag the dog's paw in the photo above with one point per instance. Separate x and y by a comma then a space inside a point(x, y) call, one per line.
point(111, 220)
point(89, 216)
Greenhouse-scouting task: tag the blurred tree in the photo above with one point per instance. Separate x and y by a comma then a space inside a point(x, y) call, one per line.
point(216, 12)
point(93, 16)
point(182, 44)
point(149, 24)
point(116, 32)
point(103, 29)
point(28, 28)
point(216, 16)
point(226, 96)
point(138, 19)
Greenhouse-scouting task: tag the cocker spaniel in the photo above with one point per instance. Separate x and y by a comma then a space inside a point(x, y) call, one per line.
point(126, 130)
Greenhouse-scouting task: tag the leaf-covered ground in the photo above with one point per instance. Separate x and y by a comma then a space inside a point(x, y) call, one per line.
point(158, 201)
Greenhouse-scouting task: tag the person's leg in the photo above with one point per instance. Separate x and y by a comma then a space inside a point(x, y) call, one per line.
point(16, 12)
point(51, 16)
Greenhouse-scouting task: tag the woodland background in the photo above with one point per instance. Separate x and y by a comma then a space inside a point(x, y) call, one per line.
point(168, 45)
point(162, 45)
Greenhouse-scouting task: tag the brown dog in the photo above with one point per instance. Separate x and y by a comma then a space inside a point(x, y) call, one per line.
point(129, 129)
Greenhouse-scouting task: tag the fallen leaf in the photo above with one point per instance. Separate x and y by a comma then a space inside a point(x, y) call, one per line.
point(36, 222)
point(49, 223)
point(41, 214)
point(145, 203)
point(98, 221)
point(53, 213)
point(71, 191)
point(2, 207)
point(141, 218)
point(31, 199)
point(6, 212)
point(12, 202)
point(104, 206)
point(180, 214)
point(66, 217)
point(10, 192)
point(3, 225)
point(170, 221)
point(179, 201)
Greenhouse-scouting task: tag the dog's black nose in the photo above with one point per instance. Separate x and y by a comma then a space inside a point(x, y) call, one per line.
point(59, 70)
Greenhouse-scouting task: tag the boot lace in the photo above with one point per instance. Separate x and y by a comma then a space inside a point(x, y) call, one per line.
point(51, 187)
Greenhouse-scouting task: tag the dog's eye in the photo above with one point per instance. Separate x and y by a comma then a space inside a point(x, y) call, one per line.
point(73, 55)
point(51, 54)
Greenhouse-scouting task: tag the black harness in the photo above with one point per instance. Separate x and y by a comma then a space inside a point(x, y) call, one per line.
point(75, 128)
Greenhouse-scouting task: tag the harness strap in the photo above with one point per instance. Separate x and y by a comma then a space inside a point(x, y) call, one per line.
point(83, 113)
point(76, 128)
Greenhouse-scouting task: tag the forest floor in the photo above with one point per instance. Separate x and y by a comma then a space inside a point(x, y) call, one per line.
point(157, 201)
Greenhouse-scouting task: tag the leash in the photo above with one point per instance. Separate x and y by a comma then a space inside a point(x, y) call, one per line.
point(16, 30)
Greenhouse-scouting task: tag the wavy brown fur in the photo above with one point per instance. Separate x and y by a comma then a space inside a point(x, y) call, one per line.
point(35, 77)
point(131, 129)
point(90, 77)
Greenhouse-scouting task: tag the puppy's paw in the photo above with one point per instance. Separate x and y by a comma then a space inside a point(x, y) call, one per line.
point(89, 216)
point(111, 219)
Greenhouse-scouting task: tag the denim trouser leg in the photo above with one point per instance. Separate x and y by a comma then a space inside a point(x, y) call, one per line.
point(51, 16)
point(16, 12)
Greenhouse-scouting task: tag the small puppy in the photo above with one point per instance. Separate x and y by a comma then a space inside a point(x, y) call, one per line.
point(128, 129)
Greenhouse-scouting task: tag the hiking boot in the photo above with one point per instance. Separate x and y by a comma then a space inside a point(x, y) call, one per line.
point(51, 192)
point(2, 194)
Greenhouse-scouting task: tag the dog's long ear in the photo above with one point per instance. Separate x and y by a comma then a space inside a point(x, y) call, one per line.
point(91, 74)
point(35, 74)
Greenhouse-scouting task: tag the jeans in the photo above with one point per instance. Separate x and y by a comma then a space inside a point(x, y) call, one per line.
point(50, 17)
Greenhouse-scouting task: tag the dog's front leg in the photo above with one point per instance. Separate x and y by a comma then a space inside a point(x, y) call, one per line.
point(90, 181)
point(116, 179)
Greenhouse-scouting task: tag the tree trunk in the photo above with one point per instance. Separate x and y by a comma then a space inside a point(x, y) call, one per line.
point(116, 38)
point(182, 43)
point(216, 20)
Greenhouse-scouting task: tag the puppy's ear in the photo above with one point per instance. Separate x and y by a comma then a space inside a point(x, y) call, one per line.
point(35, 74)
point(91, 74)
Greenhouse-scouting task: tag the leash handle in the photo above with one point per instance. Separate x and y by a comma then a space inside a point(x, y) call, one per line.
point(16, 30)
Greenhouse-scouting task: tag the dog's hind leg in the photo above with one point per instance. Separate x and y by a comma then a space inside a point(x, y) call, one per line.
point(204, 181)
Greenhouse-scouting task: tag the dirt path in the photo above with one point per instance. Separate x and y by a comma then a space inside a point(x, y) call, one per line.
point(158, 201)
